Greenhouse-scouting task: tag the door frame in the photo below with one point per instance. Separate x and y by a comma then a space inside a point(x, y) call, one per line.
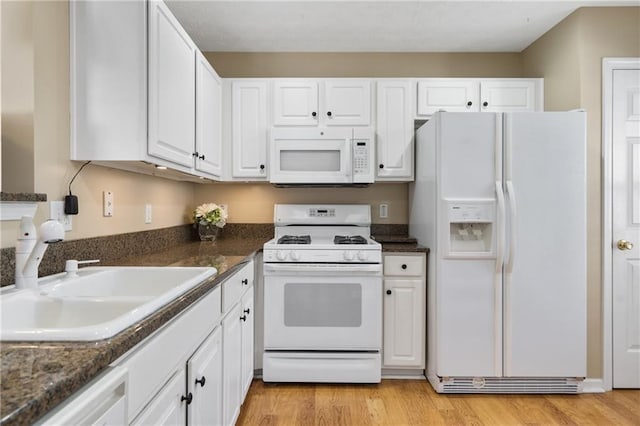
point(608, 66)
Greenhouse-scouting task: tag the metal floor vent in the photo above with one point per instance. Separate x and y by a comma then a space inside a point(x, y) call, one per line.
point(510, 385)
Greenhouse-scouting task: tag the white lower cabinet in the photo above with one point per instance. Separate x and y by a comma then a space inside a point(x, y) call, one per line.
point(169, 405)
point(231, 356)
point(204, 382)
point(404, 311)
point(248, 326)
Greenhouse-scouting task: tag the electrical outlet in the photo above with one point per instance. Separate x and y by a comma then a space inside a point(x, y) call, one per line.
point(148, 210)
point(224, 207)
point(56, 212)
point(107, 203)
point(384, 211)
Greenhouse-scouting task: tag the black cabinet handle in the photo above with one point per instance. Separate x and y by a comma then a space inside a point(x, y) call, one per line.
point(261, 166)
point(201, 381)
point(388, 291)
point(247, 311)
point(381, 166)
point(485, 103)
point(243, 318)
point(201, 157)
point(404, 266)
point(329, 113)
point(195, 154)
point(187, 398)
point(469, 103)
point(314, 113)
point(245, 281)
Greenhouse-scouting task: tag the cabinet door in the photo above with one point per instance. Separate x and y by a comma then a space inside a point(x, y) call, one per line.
point(394, 131)
point(168, 407)
point(508, 95)
point(248, 325)
point(232, 365)
point(249, 129)
point(453, 95)
point(404, 333)
point(295, 103)
point(208, 118)
point(204, 380)
point(172, 88)
point(347, 103)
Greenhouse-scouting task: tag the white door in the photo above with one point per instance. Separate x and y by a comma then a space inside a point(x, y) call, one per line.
point(204, 381)
point(347, 103)
point(248, 324)
point(232, 364)
point(172, 88)
point(545, 278)
point(626, 227)
point(249, 129)
point(208, 118)
point(169, 406)
point(394, 131)
point(295, 103)
point(403, 323)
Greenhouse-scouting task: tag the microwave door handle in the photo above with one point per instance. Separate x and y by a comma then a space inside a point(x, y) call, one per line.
point(348, 166)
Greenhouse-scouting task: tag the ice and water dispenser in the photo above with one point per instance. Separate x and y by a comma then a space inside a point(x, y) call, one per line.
point(471, 228)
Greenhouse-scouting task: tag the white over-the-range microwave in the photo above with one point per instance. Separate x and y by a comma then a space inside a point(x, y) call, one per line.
point(322, 156)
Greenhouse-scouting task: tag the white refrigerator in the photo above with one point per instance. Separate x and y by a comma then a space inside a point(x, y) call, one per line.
point(500, 199)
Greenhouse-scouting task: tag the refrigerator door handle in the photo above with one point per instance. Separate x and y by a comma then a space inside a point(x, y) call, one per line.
point(500, 220)
point(512, 228)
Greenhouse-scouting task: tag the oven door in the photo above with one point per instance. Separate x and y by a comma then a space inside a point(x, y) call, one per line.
point(311, 157)
point(322, 307)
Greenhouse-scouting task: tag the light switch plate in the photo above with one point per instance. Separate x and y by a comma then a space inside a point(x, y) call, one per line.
point(384, 211)
point(148, 211)
point(107, 203)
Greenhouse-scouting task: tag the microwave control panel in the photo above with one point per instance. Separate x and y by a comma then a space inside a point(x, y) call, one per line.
point(362, 161)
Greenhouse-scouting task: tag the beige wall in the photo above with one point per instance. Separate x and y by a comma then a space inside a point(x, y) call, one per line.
point(235, 64)
point(570, 59)
point(17, 99)
point(253, 203)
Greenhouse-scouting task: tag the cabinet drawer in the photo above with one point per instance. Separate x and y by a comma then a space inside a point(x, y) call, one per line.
point(404, 265)
point(235, 286)
point(158, 357)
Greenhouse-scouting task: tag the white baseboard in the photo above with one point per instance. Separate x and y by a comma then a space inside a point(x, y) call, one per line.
point(593, 386)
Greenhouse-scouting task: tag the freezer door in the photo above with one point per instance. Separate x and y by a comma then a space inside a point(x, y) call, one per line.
point(545, 271)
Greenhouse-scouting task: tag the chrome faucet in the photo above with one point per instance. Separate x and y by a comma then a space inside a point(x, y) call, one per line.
point(30, 249)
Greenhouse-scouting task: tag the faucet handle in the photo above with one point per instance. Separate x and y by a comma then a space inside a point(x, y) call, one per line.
point(71, 265)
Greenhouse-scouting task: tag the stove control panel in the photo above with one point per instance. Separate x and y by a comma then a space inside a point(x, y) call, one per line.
point(315, 212)
point(322, 256)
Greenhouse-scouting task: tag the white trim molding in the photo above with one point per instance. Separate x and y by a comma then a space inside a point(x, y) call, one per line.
point(608, 66)
point(593, 386)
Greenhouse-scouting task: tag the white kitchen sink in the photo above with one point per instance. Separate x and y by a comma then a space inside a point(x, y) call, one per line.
point(95, 304)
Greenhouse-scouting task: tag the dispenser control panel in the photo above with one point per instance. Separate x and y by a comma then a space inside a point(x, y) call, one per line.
point(470, 225)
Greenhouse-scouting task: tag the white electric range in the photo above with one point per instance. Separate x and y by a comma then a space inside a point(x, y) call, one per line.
point(322, 296)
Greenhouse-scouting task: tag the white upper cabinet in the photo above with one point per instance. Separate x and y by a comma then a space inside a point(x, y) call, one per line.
point(249, 129)
point(474, 95)
point(172, 88)
point(303, 102)
point(509, 96)
point(453, 95)
point(295, 103)
point(394, 130)
point(208, 152)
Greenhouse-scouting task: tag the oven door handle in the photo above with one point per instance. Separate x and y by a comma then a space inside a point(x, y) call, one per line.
point(333, 269)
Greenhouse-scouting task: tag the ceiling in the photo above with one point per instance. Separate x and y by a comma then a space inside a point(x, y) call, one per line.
point(372, 26)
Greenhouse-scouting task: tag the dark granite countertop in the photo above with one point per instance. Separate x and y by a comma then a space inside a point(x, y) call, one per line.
point(37, 376)
point(22, 197)
point(399, 243)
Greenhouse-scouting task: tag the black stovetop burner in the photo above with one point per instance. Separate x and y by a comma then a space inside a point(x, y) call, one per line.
point(350, 239)
point(295, 239)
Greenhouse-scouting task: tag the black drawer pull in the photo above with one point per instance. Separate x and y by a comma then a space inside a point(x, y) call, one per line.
point(404, 266)
point(388, 291)
point(247, 311)
point(245, 281)
point(243, 318)
point(201, 381)
point(187, 398)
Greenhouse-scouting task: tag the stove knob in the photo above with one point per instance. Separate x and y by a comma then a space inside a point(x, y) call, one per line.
point(348, 255)
point(362, 256)
point(294, 255)
point(281, 255)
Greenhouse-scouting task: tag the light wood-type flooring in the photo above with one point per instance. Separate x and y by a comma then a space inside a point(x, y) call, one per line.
point(413, 402)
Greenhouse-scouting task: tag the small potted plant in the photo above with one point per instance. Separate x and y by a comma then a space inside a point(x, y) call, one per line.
point(209, 218)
